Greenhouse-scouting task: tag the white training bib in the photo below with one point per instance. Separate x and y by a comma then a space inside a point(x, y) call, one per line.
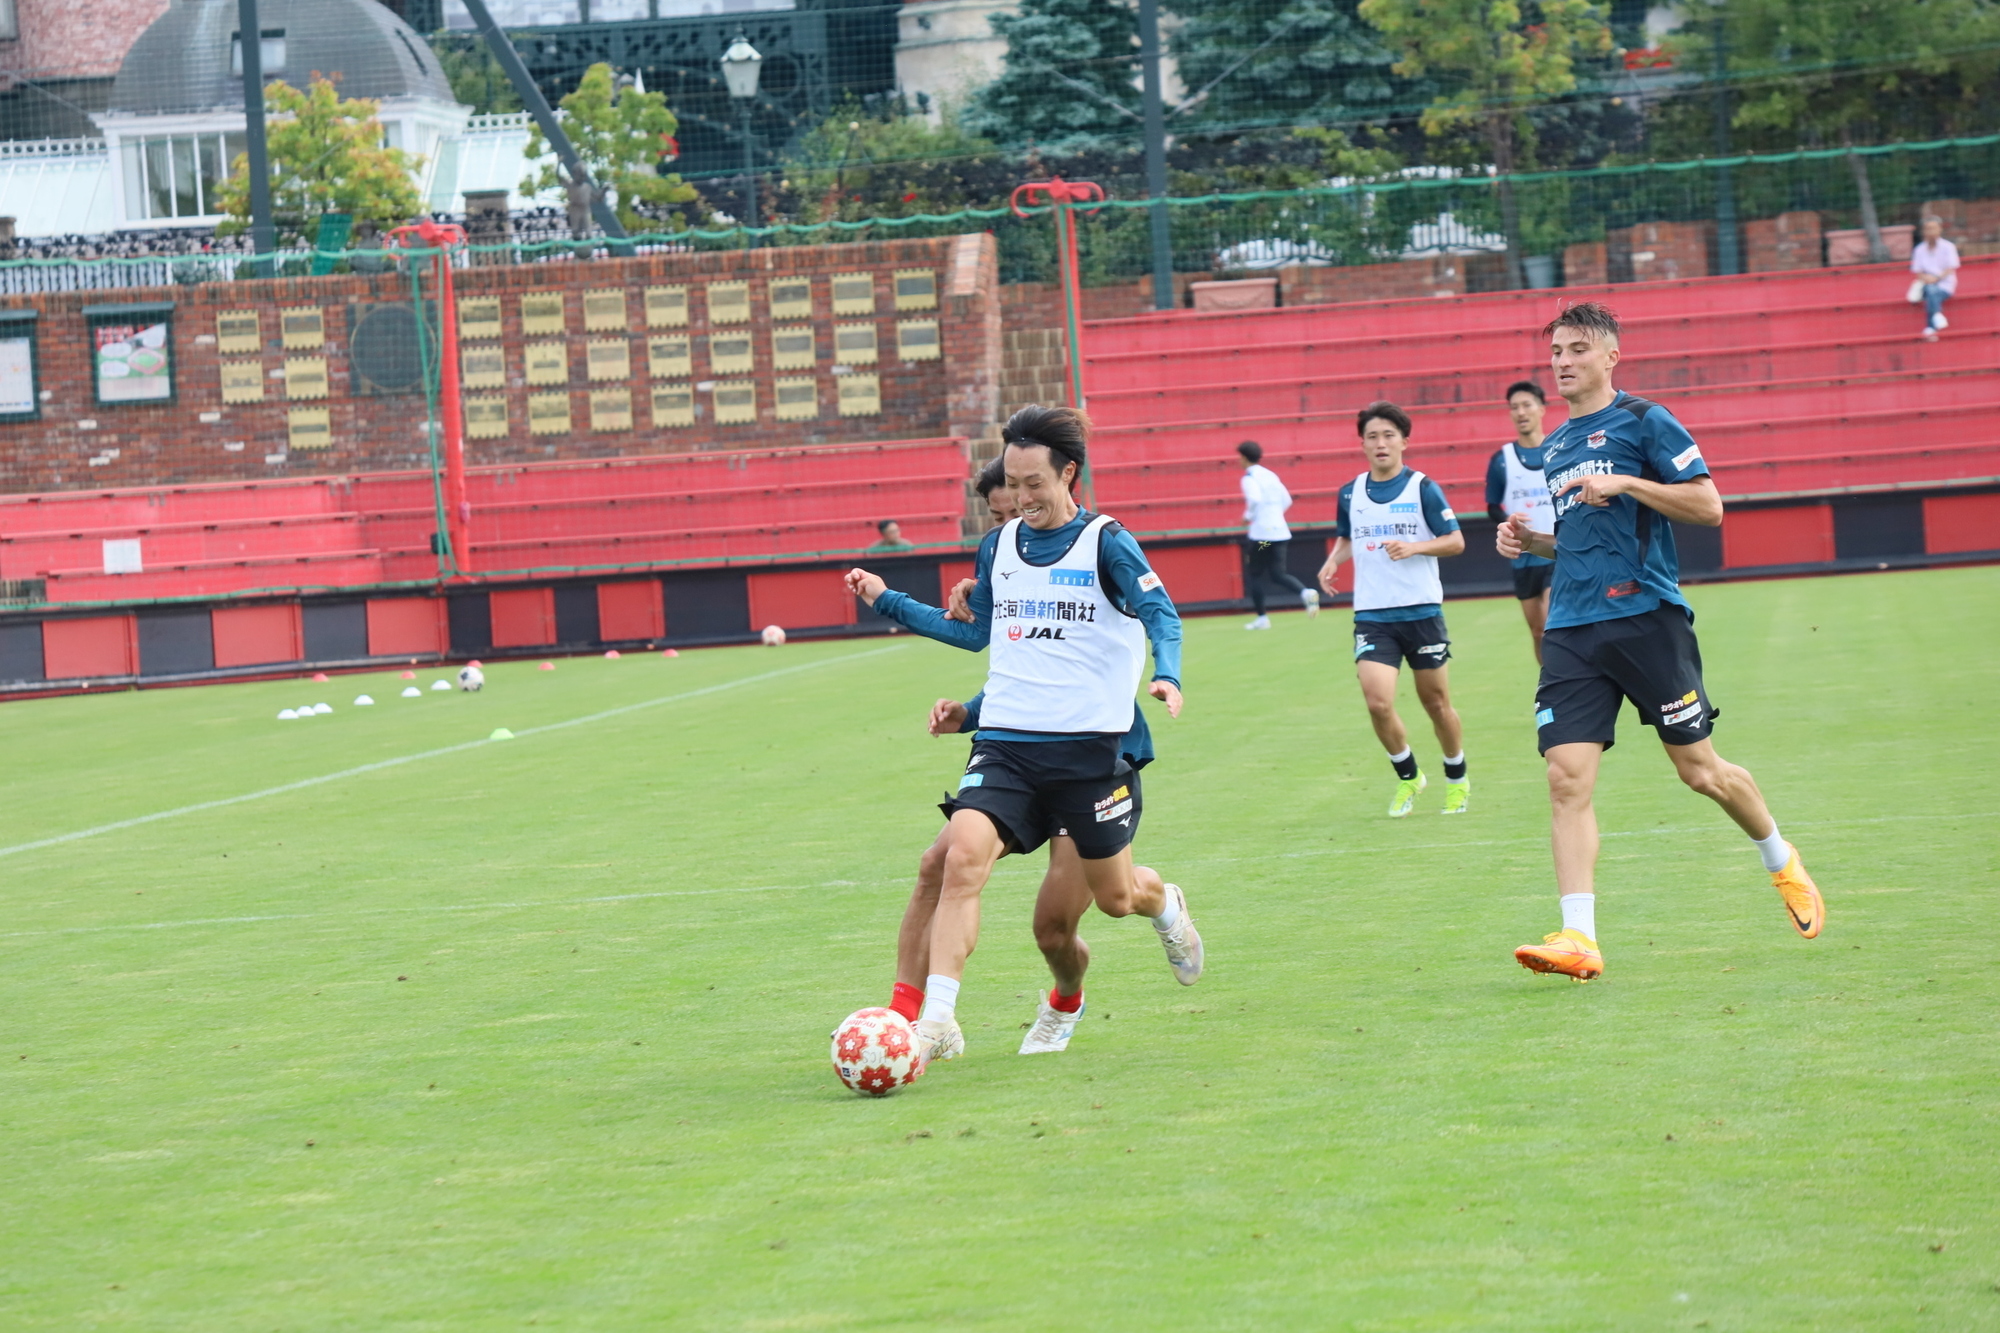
point(1379, 582)
point(1063, 658)
point(1528, 491)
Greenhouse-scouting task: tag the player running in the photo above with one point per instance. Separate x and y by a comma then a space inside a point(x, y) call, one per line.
point(1619, 469)
point(1514, 484)
point(1065, 603)
point(1267, 537)
point(1394, 522)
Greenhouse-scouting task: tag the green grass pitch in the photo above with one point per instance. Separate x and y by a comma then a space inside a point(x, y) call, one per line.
point(534, 1032)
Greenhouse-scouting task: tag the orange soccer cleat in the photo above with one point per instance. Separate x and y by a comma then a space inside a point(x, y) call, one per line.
point(1802, 901)
point(1569, 952)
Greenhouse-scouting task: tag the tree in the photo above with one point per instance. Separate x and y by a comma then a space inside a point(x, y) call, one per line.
point(475, 76)
point(326, 156)
point(1282, 62)
point(1069, 75)
point(1502, 55)
point(860, 163)
point(622, 135)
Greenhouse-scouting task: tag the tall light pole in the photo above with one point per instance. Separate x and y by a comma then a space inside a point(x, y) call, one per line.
point(741, 66)
point(250, 43)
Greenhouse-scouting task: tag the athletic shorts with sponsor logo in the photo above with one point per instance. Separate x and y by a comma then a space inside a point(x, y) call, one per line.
point(1423, 642)
point(1033, 790)
point(1589, 670)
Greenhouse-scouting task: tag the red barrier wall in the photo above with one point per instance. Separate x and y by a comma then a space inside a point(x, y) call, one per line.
point(1962, 523)
point(1795, 536)
point(799, 599)
point(253, 635)
point(97, 646)
point(523, 617)
point(1199, 573)
point(630, 611)
point(399, 625)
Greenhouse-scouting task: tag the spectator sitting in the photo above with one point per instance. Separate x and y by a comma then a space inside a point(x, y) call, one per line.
point(1935, 262)
point(892, 537)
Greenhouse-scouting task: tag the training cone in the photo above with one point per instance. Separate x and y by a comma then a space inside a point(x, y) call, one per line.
point(319, 677)
point(362, 701)
point(475, 662)
point(611, 652)
point(286, 715)
point(671, 652)
point(412, 692)
point(440, 684)
point(548, 666)
point(501, 734)
point(322, 708)
point(409, 675)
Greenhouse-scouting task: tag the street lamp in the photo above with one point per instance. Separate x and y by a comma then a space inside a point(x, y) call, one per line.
point(741, 65)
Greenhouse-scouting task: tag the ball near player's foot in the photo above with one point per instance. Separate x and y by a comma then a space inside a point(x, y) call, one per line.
point(875, 1052)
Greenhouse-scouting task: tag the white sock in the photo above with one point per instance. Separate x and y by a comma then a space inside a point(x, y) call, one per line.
point(1580, 913)
point(1399, 758)
point(1773, 850)
point(1172, 913)
point(940, 999)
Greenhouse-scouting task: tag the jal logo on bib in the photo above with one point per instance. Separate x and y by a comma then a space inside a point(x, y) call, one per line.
point(1013, 631)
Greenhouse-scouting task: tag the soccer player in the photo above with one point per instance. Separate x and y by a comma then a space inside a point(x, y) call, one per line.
point(1066, 604)
point(992, 488)
point(1267, 536)
point(1394, 522)
point(1514, 484)
point(1619, 469)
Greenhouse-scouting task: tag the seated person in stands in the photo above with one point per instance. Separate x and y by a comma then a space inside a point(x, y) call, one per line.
point(892, 537)
point(1935, 262)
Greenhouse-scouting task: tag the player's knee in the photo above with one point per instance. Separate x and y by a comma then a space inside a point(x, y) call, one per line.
point(1053, 936)
point(1710, 780)
point(1568, 786)
point(1381, 709)
point(930, 870)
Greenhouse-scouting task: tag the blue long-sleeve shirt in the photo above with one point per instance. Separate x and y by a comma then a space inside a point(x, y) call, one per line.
point(1136, 745)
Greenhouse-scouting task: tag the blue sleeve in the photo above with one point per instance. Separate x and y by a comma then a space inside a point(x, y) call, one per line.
point(933, 623)
point(1127, 568)
point(1437, 510)
point(1340, 524)
point(1668, 448)
point(1496, 486)
point(972, 707)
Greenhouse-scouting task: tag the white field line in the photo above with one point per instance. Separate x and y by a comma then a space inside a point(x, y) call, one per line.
point(380, 764)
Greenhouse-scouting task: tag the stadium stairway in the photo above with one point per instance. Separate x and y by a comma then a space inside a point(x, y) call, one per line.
point(351, 531)
point(1800, 383)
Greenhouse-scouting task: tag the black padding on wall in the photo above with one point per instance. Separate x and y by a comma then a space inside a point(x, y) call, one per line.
point(1699, 548)
point(175, 643)
point(471, 616)
point(21, 652)
point(1481, 562)
point(913, 578)
point(576, 613)
point(335, 631)
point(706, 606)
point(1874, 526)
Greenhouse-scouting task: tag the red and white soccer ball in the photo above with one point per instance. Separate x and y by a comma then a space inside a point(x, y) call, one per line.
point(773, 635)
point(875, 1052)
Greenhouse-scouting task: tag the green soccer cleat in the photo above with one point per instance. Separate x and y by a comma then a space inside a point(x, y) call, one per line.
point(1406, 795)
point(1457, 797)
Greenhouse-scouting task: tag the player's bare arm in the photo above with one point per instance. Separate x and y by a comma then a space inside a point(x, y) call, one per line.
point(1338, 556)
point(1694, 501)
point(1167, 693)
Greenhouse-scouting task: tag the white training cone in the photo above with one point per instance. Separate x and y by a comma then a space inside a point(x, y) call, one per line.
point(286, 715)
point(412, 692)
point(440, 684)
point(322, 708)
point(362, 701)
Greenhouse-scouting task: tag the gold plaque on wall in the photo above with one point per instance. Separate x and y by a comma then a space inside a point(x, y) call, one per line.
point(242, 381)
point(609, 359)
point(860, 395)
point(854, 293)
point(917, 340)
point(611, 409)
point(238, 331)
point(735, 403)
point(486, 418)
point(309, 428)
point(666, 307)
point(798, 398)
point(673, 405)
point(730, 354)
point(729, 303)
point(303, 326)
point(482, 367)
point(670, 358)
point(548, 414)
point(792, 347)
point(916, 289)
point(305, 377)
point(604, 309)
point(546, 363)
point(854, 344)
point(791, 298)
point(542, 312)
point(479, 317)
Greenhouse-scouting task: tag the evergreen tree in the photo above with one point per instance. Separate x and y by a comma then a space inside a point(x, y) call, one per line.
point(1283, 62)
point(1070, 75)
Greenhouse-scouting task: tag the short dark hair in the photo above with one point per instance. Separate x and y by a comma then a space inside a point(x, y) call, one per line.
point(884, 526)
point(1525, 386)
point(1592, 317)
point(991, 477)
point(1386, 410)
point(1063, 431)
point(1250, 451)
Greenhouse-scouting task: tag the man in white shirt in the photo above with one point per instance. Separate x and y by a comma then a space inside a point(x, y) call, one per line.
point(1265, 501)
point(1935, 262)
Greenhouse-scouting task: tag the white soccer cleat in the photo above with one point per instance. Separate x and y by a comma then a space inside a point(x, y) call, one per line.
point(939, 1039)
point(1182, 942)
point(1310, 596)
point(1052, 1030)
point(1261, 622)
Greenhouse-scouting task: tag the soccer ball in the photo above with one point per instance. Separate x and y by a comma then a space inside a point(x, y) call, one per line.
point(773, 635)
point(875, 1052)
point(470, 678)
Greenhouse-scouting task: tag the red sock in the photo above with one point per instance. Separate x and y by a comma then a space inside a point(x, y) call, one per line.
point(907, 1001)
point(1067, 1004)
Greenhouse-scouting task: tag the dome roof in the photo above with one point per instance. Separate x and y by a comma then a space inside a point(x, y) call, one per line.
point(182, 62)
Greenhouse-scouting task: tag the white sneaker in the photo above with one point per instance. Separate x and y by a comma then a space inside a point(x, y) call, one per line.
point(1261, 622)
point(939, 1039)
point(1052, 1030)
point(1182, 941)
point(1938, 321)
point(1311, 598)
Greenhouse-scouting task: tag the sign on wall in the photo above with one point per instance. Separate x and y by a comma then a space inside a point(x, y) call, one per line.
point(243, 381)
point(798, 398)
point(309, 428)
point(917, 340)
point(238, 331)
point(673, 405)
point(479, 317)
point(860, 395)
point(542, 313)
point(791, 298)
point(854, 293)
point(486, 418)
point(303, 327)
point(131, 353)
point(604, 310)
point(666, 307)
point(20, 394)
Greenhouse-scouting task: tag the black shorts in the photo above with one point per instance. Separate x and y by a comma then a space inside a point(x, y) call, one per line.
point(1651, 659)
point(1531, 581)
point(1424, 642)
point(1032, 790)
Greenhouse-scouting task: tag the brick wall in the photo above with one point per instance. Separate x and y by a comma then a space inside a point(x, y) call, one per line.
point(1787, 241)
point(79, 443)
point(75, 40)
